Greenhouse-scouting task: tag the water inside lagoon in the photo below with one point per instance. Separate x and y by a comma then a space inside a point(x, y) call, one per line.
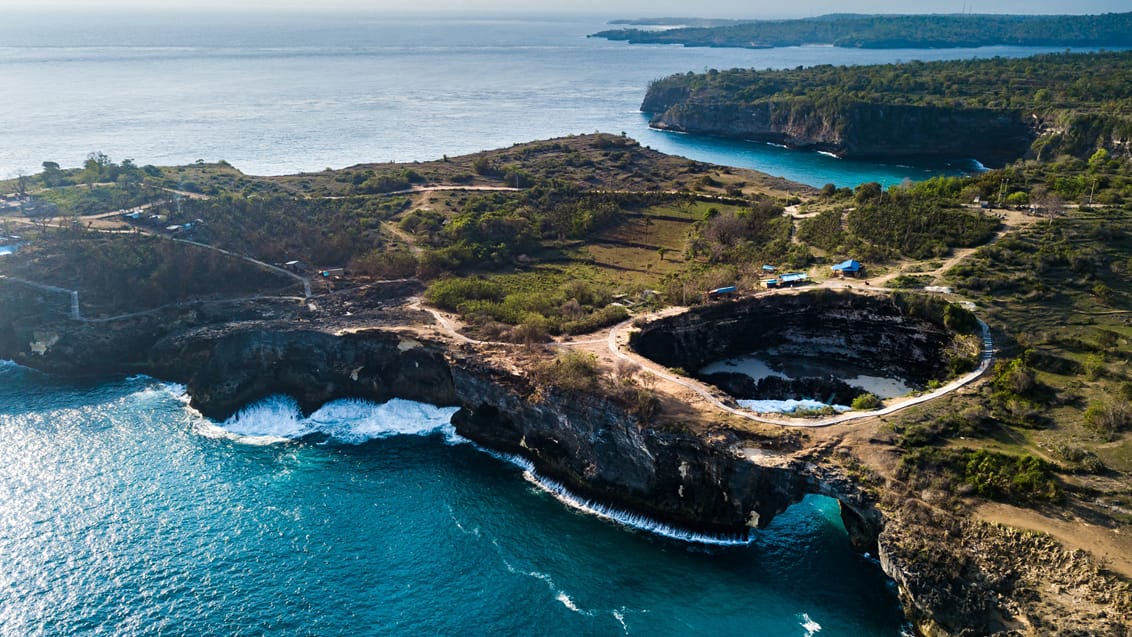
point(762, 365)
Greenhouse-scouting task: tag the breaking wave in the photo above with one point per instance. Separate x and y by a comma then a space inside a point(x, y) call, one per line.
point(347, 421)
point(620, 516)
point(810, 626)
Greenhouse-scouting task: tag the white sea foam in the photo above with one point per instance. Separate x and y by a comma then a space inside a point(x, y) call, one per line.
point(348, 421)
point(786, 406)
point(160, 389)
point(756, 368)
point(620, 617)
point(567, 602)
point(811, 627)
point(626, 518)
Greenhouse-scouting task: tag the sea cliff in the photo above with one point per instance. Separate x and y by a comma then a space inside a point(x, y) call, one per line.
point(955, 577)
point(854, 130)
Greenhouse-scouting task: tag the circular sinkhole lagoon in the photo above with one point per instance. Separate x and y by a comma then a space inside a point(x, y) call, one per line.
point(816, 350)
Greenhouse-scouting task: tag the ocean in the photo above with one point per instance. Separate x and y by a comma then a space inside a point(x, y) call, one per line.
point(126, 513)
point(276, 94)
point(123, 512)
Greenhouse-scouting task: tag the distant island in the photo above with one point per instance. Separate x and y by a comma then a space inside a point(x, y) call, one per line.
point(887, 31)
point(996, 110)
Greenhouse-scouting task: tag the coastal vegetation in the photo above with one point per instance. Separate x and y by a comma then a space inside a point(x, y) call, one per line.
point(891, 31)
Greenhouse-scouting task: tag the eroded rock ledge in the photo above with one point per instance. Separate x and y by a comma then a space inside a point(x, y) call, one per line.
point(590, 443)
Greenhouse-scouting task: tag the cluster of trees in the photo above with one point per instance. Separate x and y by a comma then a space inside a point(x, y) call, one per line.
point(759, 234)
point(98, 168)
point(108, 185)
point(281, 228)
point(900, 31)
point(919, 221)
point(526, 313)
point(1024, 479)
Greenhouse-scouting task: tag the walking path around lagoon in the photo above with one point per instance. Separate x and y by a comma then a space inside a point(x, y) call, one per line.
point(618, 340)
point(617, 344)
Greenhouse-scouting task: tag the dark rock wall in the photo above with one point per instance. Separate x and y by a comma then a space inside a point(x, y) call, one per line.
point(861, 130)
point(227, 369)
point(861, 330)
point(590, 443)
point(598, 450)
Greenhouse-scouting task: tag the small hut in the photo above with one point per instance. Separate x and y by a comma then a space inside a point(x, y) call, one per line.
point(850, 268)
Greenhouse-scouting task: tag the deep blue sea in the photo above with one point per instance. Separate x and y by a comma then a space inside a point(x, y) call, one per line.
point(122, 512)
point(282, 94)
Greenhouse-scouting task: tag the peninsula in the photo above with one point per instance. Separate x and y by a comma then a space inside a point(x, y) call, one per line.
point(887, 31)
point(568, 295)
point(995, 110)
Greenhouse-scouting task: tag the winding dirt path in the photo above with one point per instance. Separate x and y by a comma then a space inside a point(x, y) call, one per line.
point(618, 344)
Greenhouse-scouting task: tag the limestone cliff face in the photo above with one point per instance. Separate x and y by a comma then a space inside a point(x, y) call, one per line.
point(590, 443)
point(857, 129)
point(599, 450)
point(954, 579)
point(225, 369)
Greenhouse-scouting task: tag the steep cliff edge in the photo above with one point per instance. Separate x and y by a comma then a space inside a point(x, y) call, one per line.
point(851, 130)
point(588, 442)
point(955, 577)
point(996, 110)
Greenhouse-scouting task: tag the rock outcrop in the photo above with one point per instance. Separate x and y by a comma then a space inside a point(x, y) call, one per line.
point(589, 442)
point(957, 576)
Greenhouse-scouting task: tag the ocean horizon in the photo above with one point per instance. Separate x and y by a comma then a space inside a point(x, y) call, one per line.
point(303, 92)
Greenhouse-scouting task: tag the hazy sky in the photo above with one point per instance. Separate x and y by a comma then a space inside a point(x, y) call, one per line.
point(625, 8)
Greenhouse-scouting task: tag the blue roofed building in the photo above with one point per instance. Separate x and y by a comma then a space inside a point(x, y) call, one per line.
point(852, 268)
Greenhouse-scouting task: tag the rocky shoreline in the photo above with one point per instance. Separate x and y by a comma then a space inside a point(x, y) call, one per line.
point(711, 479)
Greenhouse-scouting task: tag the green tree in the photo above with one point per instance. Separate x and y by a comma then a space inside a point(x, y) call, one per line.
point(52, 175)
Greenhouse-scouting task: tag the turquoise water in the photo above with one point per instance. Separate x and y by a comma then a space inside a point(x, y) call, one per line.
point(125, 513)
point(276, 94)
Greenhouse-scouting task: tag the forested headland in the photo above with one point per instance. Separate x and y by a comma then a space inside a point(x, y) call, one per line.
point(896, 31)
point(993, 109)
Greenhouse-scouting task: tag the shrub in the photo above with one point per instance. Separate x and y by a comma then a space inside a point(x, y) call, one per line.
point(866, 402)
point(996, 475)
point(572, 370)
point(449, 294)
point(1108, 418)
point(602, 318)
